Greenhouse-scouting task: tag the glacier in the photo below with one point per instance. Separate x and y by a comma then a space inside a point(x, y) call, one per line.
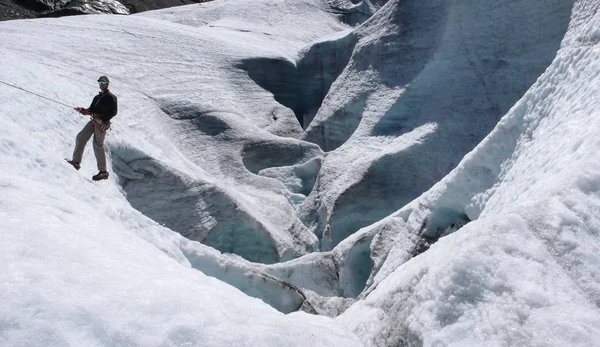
point(305, 172)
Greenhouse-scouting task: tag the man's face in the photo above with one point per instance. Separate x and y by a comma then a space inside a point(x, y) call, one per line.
point(103, 86)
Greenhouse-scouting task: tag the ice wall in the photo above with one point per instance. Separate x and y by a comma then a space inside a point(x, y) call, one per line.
point(524, 268)
point(425, 83)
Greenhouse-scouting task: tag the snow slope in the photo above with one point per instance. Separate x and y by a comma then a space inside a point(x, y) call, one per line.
point(207, 144)
point(80, 264)
point(193, 76)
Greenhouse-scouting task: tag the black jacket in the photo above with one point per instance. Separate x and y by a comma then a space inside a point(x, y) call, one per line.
point(104, 106)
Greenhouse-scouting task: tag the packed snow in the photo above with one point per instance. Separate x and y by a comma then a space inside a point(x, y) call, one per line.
point(305, 172)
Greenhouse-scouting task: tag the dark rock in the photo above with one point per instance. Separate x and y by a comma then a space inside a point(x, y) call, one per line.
point(141, 6)
point(10, 10)
point(19, 9)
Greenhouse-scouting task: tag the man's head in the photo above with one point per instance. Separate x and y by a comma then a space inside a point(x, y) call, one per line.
point(103, 83)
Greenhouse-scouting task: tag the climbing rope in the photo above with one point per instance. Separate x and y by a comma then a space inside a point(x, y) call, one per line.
point(41, 96)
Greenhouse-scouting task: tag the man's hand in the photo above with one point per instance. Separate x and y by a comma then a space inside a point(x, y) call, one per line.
point(103, 126)
point(82, 111)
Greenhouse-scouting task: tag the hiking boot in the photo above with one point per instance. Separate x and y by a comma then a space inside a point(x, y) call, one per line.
point(74, 163)
point(102, 175)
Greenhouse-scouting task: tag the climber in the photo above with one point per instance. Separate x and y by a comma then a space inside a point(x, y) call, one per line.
point(102, 109)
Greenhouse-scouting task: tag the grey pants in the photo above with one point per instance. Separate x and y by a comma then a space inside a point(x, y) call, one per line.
point(83, 137)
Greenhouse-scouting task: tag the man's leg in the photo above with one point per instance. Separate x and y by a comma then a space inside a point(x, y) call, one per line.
point(82, 138)
point(99, 136)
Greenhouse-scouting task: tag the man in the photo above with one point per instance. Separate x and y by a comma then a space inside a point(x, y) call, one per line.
point(102, 109)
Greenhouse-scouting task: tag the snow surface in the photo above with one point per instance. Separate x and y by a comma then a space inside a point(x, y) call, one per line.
point(208, 147)
point(80, 265)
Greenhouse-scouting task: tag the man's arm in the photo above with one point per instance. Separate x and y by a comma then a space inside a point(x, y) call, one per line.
point(115, 107)
point(87, 111)
point(82, 110)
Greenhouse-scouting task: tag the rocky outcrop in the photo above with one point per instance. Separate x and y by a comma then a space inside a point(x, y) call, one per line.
point(17, 9)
